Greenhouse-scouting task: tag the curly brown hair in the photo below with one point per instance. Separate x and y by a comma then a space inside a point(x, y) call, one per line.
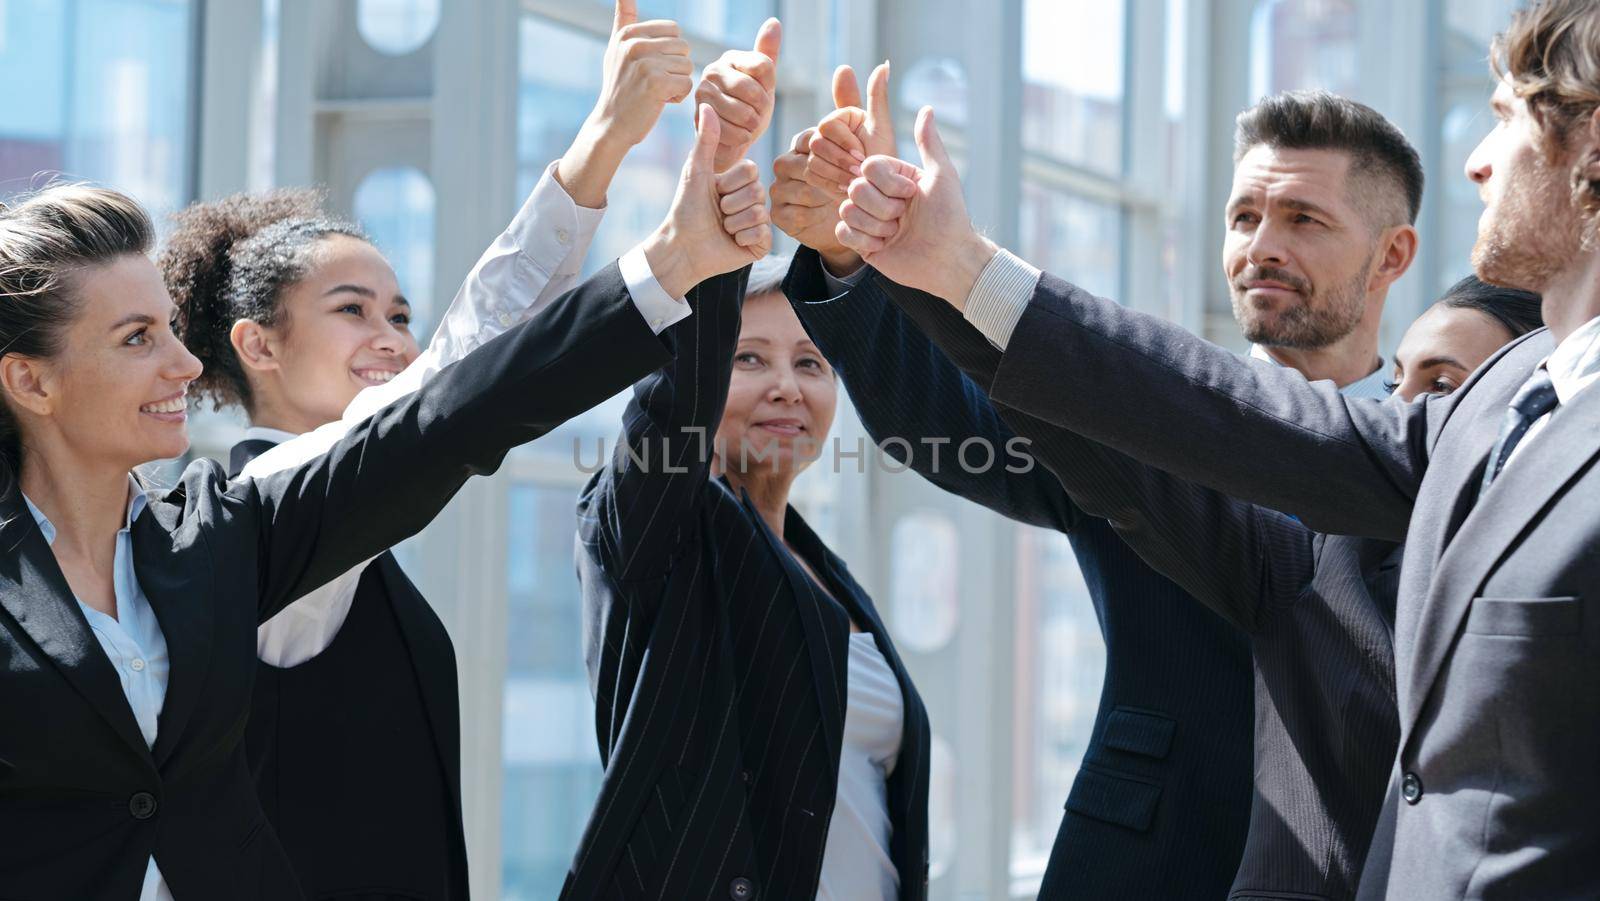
point(1550, 55)
point(232, 259)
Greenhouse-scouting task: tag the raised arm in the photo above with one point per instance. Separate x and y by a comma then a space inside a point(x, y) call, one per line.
point(1240, 560)
point(1137, 383)
point(917, 405)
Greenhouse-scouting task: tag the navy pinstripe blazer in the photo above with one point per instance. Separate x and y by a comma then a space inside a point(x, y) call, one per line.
point(1161, 803)
point(1319, 610)
point(718, 667)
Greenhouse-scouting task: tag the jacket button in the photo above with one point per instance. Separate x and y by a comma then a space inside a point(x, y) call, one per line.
point(745, 775)
point(1411, 788)
point(741, 889)
point(142, 805)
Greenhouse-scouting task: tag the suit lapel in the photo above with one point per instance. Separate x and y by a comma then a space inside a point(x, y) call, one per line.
point(35, 593)
point(176, 578)
point(244, 452)
point(824, 639)
point(1541, 471)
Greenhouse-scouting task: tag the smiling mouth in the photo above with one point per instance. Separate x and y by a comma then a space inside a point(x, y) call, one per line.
point(375, 376)
point(782, 427)
point(172, 408)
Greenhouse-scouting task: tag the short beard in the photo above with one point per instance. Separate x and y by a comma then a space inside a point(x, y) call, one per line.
point(1535, 233)
point(1318, 321)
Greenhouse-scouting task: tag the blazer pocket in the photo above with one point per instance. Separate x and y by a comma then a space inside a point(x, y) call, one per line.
point(1141, 732)
point(1115, 798)
point(1525, 617)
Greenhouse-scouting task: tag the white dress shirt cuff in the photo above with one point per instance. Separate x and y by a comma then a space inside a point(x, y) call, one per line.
point(659, 309)
point(1000, 296)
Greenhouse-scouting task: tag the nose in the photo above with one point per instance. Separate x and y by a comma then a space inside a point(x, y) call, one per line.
point(1478, 167)
point(785, 388)
point(389, 339)
point(183, 366)
point(1266, 246)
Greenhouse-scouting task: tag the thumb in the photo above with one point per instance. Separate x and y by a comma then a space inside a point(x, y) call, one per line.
point(846, 92)
point(769, 39)
point(878, 109)
point(708, 131)
point(930, 145)
point(627, 14)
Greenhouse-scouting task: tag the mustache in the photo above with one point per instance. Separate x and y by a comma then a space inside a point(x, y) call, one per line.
point(1270, 274)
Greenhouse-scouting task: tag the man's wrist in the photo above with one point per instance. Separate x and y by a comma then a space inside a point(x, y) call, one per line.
point(967, 262)
point(841, 263)
point(669, 263)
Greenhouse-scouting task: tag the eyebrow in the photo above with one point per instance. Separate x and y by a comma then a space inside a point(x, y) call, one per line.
point(132, 319)
point(363, 291)
point(1441, 361)
point(1304, 206)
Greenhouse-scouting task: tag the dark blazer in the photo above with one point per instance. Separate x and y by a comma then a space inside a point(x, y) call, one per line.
point(717, 663)
point(1161, 803)
point(83, 802)
point(1497, 638)
point(356, 752)
point(1319, 610)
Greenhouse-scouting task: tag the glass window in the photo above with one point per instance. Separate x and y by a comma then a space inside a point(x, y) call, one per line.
point(99, 90)
point(924, 566)
point(1074, 237)
point(1060, 663)
point(397, 27)
point(1072, 82)
point(552, 765)
point(1304, 44)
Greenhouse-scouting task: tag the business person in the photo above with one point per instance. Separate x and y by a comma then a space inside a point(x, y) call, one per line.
point(760, 735)
point(128, 618)
point(1491, 487)
point(293, 313)
point(1323, 189)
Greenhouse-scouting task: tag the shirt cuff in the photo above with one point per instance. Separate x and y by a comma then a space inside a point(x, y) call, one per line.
point(659, 309)
point(549, 224)
point(1000, 296)
point(842, 285)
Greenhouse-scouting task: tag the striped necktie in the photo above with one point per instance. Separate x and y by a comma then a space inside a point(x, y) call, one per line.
point(1536, 397)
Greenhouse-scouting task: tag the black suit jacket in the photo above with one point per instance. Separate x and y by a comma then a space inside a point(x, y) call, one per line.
point(1497, 637)
point(83, 802)
point(356, 752)
point(717, 663)
point(1161, 803)
point(1319, 610)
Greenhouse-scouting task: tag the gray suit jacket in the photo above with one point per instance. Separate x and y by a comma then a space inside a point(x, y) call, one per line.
point(1497, 667)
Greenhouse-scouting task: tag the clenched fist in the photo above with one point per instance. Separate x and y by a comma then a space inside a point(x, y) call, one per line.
point(718, 223)
point(741, 87)
point(808, 213)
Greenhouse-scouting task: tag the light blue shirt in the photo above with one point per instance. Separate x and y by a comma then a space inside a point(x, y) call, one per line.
point(133, 642)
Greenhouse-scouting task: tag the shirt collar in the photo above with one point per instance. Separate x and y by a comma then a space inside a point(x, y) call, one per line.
point(136, 504)
point(1575, 363)
point(263, 433)
point(1373, 384)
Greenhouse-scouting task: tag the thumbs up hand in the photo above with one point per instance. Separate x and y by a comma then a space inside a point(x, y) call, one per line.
point(911, 223)
point(850, 134)
point(741, 86)
point(717, 223)
point(647, 66)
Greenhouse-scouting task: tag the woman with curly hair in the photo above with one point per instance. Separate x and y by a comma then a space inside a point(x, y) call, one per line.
point(354, 736)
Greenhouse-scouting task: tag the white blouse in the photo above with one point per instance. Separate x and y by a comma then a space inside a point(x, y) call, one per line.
point(856, 865)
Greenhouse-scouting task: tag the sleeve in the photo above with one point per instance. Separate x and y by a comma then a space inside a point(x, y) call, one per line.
point(1251, 430)
point(917, 405)
point(380, 480)
point(1240, 560)
point(536, 259)
point(635, 512)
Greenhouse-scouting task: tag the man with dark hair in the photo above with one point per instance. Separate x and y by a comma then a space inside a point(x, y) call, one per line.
point(1320, 223)
point(1497, 633)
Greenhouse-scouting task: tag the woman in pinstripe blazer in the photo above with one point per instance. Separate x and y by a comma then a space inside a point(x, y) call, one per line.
point(760, 735)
